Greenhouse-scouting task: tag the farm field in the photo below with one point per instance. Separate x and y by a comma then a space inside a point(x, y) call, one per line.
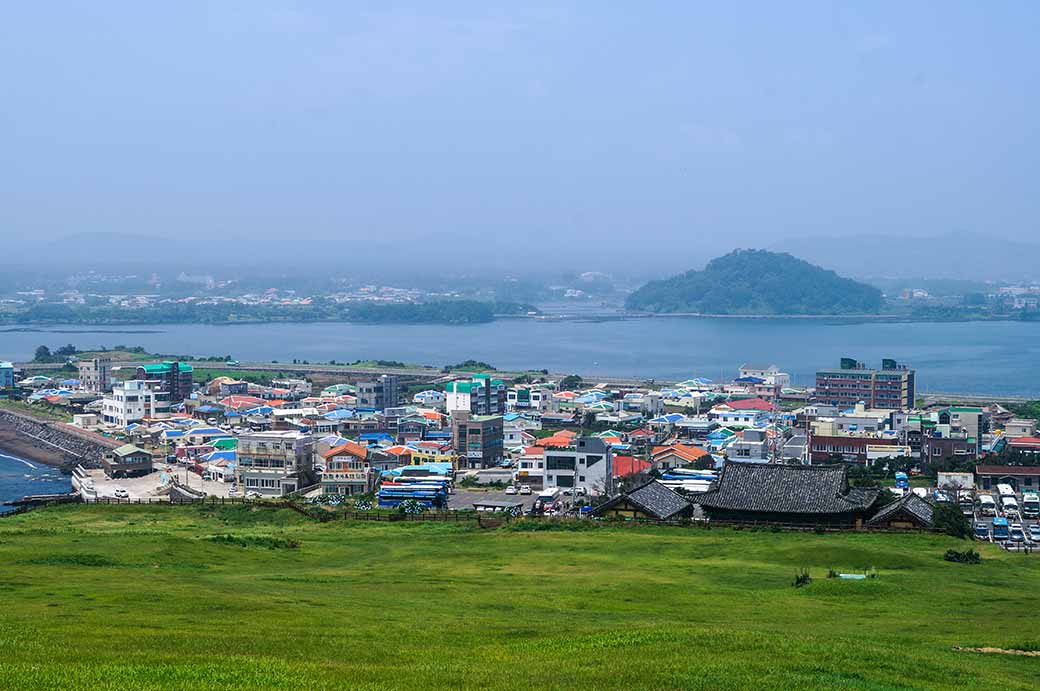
point(160, 597)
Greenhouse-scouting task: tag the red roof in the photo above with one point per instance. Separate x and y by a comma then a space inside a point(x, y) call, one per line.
point(350, 448)
point(1025, 441)
point(627, 465)
point(235, 402)
point(750, 404)
point(1008, 469)
point(683, 451)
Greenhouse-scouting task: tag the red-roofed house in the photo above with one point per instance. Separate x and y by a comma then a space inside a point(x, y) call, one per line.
point(749, 404)
point(676, 456)
point(625, 466)
point(347, 470)
point(241, 402)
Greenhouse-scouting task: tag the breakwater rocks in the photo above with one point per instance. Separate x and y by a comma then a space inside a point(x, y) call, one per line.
point(56, 443)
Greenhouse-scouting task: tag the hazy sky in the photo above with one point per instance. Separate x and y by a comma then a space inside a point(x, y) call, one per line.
point(610, 132)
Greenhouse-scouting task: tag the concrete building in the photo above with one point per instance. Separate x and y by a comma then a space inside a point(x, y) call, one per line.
point(586, 466)
point(347, 471)
point(275, 463)
point(6, 375)
point(1014, 428)
point(378, 394)
point(481, 395)
point(477, 439)
point(171, 380)
point(893, 386)
point(95, 374)
point(521, 398)
point(132, 401)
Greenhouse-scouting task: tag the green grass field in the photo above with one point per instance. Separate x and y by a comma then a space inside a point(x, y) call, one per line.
point(104, 597)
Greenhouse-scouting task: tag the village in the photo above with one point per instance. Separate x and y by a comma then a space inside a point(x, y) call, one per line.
point(854, 452)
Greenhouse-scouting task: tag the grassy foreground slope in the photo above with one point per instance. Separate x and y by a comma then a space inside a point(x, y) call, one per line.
point(148, 597)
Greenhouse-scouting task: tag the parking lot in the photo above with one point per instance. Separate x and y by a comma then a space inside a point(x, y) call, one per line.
point(147, 486)
point(464, 499)
point(1030, 535)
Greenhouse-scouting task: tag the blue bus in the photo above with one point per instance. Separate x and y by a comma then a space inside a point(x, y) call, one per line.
point(1000, 529)
point(902, 481)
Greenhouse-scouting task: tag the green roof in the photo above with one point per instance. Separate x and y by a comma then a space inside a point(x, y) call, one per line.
point(127, 449)
point(458, 387)
point(164, 367)
point(228, 444)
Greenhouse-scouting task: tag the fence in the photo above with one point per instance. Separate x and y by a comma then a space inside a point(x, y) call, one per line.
point(486, 519)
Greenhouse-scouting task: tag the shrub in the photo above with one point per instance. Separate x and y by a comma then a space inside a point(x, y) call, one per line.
point(969, 557)
point(802, 578)
point(411, 507)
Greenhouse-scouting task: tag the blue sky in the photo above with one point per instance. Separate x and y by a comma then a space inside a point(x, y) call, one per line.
point(617, 132)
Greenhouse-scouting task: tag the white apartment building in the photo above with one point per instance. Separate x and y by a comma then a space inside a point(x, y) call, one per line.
point(275, 463)
point(588, 466)
point(132, 401)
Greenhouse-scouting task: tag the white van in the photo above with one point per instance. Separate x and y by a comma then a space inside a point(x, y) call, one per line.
point(987, 505)
point(1009, 505)
point(549, 496)
point(1005, 491)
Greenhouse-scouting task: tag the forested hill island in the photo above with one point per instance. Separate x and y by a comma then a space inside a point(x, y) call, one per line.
point(757, 282)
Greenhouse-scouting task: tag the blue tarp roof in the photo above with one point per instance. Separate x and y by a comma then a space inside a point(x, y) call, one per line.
point(220, 456)
point(339, 414)
point(208, 409)
point(670, 418)
point(375, 436)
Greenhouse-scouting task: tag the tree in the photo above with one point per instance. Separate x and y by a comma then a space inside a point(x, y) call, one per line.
point(571, 381)
point(43, 354)
point(948, 518)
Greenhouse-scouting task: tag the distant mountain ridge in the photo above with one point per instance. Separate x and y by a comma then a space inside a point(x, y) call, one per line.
point(757, 282)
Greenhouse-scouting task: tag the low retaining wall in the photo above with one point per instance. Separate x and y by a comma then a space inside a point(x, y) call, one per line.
point(70, 443)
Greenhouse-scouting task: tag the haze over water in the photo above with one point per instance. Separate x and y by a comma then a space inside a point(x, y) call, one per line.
point(963, 357)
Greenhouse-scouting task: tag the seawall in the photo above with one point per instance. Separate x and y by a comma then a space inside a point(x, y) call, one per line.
point(52, 443)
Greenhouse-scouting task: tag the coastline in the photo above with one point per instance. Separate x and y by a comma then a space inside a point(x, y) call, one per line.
point(18, 445)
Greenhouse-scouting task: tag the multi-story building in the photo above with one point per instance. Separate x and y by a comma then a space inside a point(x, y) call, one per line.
point(892, 386)
point(275, 463)
point(477, 439)
point(6, 375)
point(528, 398)
point(132, 401)
point(830, 442)
point(171, 379)
point(764, 382)
point(481, 395)
point(587, 466)
point(347, 471)
point(95, 374)
point(378, 394)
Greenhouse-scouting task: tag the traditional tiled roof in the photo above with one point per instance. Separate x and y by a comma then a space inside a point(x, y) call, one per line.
point(653, 498)
point(800, 489)
point(919, 509)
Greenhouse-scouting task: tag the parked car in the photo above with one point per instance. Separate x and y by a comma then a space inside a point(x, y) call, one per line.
point(1017, 535)
point(1034, 532)
point(120, 493)
point(525, 489)
point(982, 531)
point(510, 489)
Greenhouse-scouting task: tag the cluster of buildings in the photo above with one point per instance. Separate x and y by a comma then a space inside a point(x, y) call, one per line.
point(695, 437)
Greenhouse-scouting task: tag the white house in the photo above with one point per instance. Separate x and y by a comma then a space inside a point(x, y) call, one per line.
point(132, 401)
